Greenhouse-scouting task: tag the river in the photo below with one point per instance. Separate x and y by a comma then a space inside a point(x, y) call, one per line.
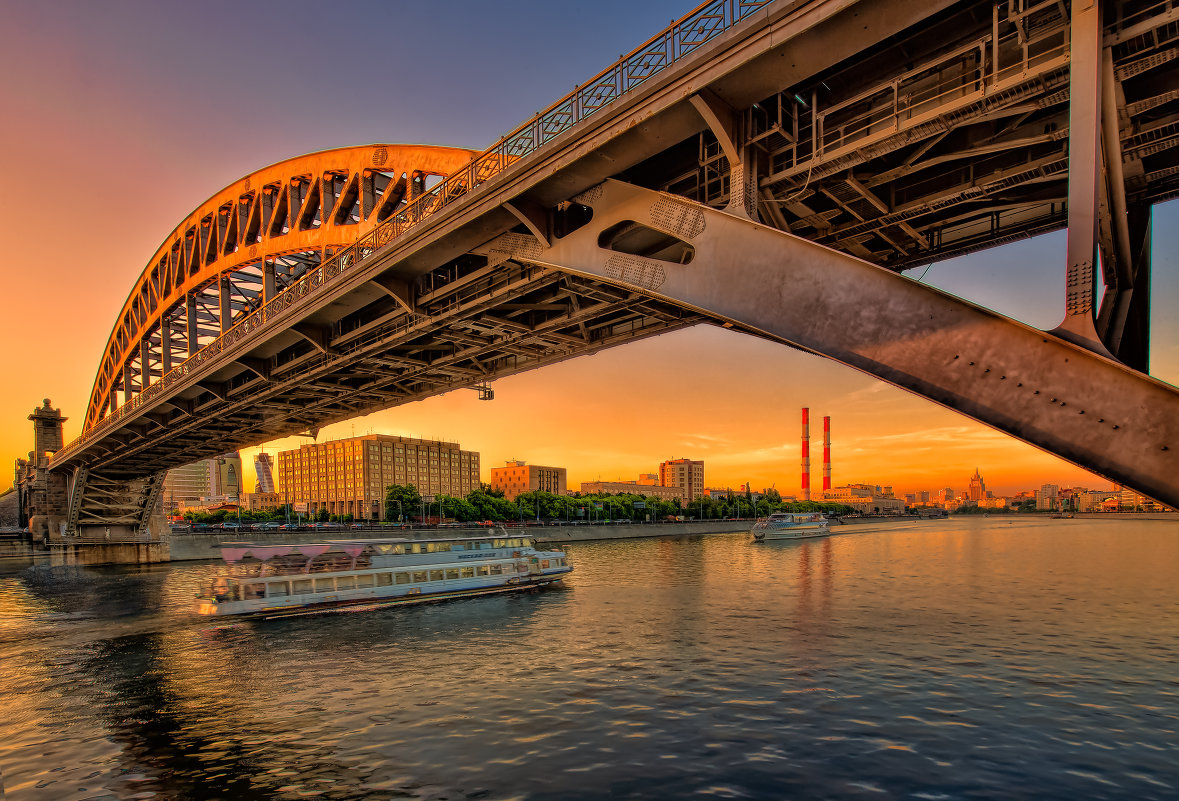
point(1005, 657)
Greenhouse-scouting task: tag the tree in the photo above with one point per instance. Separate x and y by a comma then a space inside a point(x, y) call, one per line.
point(322, 515)
point(401, 499)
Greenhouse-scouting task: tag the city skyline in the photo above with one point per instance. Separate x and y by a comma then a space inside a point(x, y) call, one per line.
point(117, 114)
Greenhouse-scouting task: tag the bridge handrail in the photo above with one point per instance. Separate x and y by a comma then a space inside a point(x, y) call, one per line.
point(684, 36)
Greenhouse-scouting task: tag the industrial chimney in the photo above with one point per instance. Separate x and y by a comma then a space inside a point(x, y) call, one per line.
point(826, 454)
point(806, 453)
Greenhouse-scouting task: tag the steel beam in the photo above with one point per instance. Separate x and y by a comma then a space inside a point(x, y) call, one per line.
point(1084, 160)
point(1035, 386)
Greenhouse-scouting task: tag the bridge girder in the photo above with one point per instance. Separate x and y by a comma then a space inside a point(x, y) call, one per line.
point(1035, 386)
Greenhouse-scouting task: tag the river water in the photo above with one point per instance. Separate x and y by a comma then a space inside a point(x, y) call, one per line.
point(967, 658)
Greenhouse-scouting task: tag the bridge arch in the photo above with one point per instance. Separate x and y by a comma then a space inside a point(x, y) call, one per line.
point(248, 242)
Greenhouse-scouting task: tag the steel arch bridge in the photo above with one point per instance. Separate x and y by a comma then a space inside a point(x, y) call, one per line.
point(752, 159)
point(248, 243)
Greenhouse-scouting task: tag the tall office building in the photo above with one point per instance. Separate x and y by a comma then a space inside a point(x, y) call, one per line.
point(349, 476)
point(186, 485)
point(518, 477)
point(686, 474)
point(264, 470)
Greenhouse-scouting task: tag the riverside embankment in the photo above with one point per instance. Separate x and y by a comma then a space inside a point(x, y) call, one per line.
point(186, 546)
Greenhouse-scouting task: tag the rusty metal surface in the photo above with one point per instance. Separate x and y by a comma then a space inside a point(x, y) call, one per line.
point(1037, 387)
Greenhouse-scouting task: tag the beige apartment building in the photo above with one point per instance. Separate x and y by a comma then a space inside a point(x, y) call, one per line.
point(519, 477)
point(349, 476)
point(686, 474)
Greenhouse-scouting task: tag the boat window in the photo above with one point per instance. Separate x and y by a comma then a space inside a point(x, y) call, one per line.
point(484, 570)
point(365, 580)
point(452, 573)
point(346, 583)
point(325, 585)
point(436, 575)
point(384, 579)
point(499, 543)
point(527, 543)
point(495, 569)
point(466, 572)
point(301, 586)
point(398, 549)
point(420, 577)
point(402, 578)
point(276, 589)
point(255, 591)
point(414, 547)
point(235, 593)
point(544, 563)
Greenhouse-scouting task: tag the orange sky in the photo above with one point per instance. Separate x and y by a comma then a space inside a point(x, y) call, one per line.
point(115, 128)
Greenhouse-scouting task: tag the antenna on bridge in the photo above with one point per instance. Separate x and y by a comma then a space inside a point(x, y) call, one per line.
point(485, 392)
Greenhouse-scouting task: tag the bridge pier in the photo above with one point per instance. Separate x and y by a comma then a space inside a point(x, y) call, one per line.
point(86, 518)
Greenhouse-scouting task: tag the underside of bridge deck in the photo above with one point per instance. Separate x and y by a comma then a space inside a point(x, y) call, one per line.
point(775, 173)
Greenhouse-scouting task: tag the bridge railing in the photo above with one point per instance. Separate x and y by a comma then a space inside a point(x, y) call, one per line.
point(681, 38)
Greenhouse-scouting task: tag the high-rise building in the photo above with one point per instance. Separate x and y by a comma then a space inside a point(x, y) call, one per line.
point(186, 485)
point(264, 470)
point(517, 477)
point(227, 476)
point(977, 490)
point(349, 476)
point(686, 474)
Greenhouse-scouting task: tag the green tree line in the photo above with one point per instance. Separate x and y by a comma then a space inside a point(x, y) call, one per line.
point(404, 502)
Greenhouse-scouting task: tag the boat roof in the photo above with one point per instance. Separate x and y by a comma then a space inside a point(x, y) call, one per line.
point(369, 541)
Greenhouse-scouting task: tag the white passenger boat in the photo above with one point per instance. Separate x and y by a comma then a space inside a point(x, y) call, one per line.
point(790, 526)
point(349, 575)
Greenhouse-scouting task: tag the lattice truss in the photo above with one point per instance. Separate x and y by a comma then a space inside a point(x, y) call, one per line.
point(249, 243)
point(950, 138)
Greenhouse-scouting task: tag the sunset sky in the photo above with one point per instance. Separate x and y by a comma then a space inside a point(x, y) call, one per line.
point(119, 118)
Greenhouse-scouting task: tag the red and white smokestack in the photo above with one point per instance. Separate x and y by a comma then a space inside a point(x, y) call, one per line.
point(806, 453)
point(826, 454)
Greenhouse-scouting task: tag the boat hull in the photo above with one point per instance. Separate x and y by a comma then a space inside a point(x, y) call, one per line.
point(765, 536)
point(360, 604)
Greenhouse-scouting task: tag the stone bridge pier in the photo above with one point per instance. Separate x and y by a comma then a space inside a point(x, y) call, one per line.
point(84, 517)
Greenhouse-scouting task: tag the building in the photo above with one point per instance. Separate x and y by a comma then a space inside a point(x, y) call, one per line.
point(519, 477)
point(649, 479)
point(977, 490)
point(686, 474)
point(264, 470)
point(866, 499)
point(260, 501)
point(349, 476)
point(1046, 497)
point(185, 486)
point(631, 488)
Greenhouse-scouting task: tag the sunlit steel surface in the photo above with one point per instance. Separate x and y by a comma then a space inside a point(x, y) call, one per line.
point(895, 132)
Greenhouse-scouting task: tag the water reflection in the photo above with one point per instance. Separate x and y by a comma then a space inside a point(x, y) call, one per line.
point(966, 658)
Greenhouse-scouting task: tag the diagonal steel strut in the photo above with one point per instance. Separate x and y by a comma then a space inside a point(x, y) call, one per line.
point(1070, 402)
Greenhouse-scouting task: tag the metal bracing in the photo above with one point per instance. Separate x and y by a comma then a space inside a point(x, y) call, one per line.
point(899, 132)
point(1033, 385)
point(310, 204)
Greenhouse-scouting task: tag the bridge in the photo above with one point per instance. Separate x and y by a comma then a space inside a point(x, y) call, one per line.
point(773, 167)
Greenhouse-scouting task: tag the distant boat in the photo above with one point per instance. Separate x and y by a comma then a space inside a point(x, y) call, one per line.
point(790, 526)
point(1063, 516)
